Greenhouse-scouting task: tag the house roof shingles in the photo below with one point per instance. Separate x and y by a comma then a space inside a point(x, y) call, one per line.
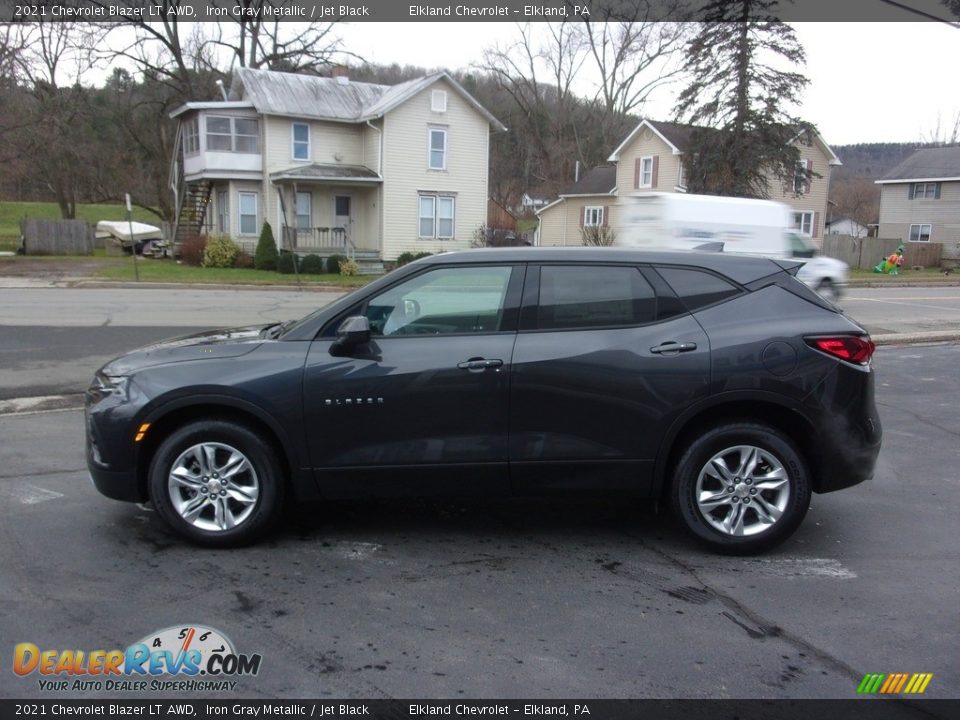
point(311, 96)
point(602, 180)
point(927, 164)
point(677, 134)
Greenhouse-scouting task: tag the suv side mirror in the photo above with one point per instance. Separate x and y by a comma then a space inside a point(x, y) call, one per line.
point(352, 332)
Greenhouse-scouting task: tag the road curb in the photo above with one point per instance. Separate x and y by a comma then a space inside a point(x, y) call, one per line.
point(107, 285)
point(917, 338)
point(902, 283)
point(40, 404)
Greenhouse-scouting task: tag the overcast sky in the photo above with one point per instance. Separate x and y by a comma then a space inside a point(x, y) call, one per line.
point(869, 82)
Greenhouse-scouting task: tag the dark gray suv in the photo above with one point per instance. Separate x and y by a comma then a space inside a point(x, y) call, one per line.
point(719, 383)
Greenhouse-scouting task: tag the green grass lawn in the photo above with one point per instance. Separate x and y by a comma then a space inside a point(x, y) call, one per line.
point(169, 271)
point(11, 213)
point(926, 275)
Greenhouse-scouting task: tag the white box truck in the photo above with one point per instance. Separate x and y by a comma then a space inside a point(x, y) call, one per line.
point(727, 224)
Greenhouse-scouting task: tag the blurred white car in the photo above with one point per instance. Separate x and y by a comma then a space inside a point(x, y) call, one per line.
point(826, 275)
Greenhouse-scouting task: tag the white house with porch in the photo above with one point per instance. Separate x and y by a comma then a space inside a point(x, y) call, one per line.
point(335, 166)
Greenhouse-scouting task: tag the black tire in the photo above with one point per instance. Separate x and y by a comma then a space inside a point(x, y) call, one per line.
point(828, 291)
point(262, 472)
point(774, 449)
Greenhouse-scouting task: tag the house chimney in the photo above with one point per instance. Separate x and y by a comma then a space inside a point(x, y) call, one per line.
point(341, 73)
point(576, 172)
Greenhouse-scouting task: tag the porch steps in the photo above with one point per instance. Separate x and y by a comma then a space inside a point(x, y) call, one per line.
point(369, 262)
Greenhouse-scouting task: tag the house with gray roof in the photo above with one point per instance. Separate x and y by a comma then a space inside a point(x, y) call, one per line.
point(651, 160)
point(920, 198)
point(335, 166)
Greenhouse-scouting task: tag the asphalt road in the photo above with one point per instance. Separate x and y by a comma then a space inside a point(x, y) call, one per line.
point(904, 309)
point(52, 339)
point(510, 599)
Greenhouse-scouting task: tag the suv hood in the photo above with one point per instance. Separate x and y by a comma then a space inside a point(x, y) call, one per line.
point(226, 343)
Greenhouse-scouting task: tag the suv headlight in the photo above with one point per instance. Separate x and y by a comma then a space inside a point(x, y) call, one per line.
point(106, 385)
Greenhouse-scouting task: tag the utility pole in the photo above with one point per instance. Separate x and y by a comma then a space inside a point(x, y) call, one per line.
point(133, 242)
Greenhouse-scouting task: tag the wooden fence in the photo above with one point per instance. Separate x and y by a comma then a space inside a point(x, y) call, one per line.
point(57, 237)
point(864, 253)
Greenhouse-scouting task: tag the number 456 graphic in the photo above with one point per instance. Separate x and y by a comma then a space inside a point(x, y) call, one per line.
point(893, 683)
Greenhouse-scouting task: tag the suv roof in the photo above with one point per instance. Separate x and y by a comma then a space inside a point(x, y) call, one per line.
point(740, 268)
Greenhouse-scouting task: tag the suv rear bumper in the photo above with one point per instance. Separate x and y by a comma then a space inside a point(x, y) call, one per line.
point(849, 434)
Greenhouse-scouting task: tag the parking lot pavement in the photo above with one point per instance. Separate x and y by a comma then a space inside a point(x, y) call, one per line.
point(509, 599)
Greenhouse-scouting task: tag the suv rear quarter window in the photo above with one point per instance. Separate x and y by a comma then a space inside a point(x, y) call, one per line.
point(697, 288)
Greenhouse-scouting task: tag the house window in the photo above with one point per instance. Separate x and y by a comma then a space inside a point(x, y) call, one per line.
point(223, 212)
point(232, 134)
point(803, 223)
point(248, 202)
point(301, 141)
point(438, 149)
point(924, 191)
point(800, 178)
point(438, 101)
point(436, 216)
point(445, 217)
point(191, 136)
point(592, 216)
point(304, 215)
point(646, 172)
point(682, 175)
point(921, 232)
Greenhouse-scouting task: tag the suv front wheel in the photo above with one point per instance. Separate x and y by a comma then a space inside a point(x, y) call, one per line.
point(216, 483)
point(741, 487)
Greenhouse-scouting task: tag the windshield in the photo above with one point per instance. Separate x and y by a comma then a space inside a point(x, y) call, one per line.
point(800, 246)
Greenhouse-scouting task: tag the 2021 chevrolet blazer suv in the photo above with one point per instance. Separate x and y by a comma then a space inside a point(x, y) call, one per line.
point(719, 383)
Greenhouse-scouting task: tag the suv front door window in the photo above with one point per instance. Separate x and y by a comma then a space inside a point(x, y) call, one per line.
point(442, 302)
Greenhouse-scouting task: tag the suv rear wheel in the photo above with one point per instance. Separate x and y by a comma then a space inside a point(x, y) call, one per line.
point(216, 483)
point(741, 487)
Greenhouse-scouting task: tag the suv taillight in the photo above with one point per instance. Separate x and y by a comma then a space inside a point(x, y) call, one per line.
point(857, 349)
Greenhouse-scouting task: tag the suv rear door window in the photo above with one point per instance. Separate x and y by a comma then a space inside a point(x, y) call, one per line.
point(696, 288)
point(586, 296)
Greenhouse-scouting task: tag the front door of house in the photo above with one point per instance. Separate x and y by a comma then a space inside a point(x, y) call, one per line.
point(342, 214)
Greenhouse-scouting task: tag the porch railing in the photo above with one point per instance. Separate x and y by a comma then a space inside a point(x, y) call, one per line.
point(318, 238)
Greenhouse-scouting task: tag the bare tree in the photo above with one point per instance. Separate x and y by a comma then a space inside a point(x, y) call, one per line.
point(635, 53)
point(159, 48)
point(856, 198)
point(255, 42)
point(51, 58)
point(627, 54)
point(943, 132)
point(538, 77)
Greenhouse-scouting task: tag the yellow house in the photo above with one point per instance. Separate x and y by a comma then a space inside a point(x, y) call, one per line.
point(651, 159)
point(335, 166)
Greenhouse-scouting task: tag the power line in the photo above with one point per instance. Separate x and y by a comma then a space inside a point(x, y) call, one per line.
point(922, 13)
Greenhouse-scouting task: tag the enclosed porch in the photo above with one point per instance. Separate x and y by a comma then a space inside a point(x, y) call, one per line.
point(328, 209)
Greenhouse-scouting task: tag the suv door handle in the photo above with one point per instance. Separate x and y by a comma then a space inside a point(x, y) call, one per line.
point(479, 364)
point(673, 348)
